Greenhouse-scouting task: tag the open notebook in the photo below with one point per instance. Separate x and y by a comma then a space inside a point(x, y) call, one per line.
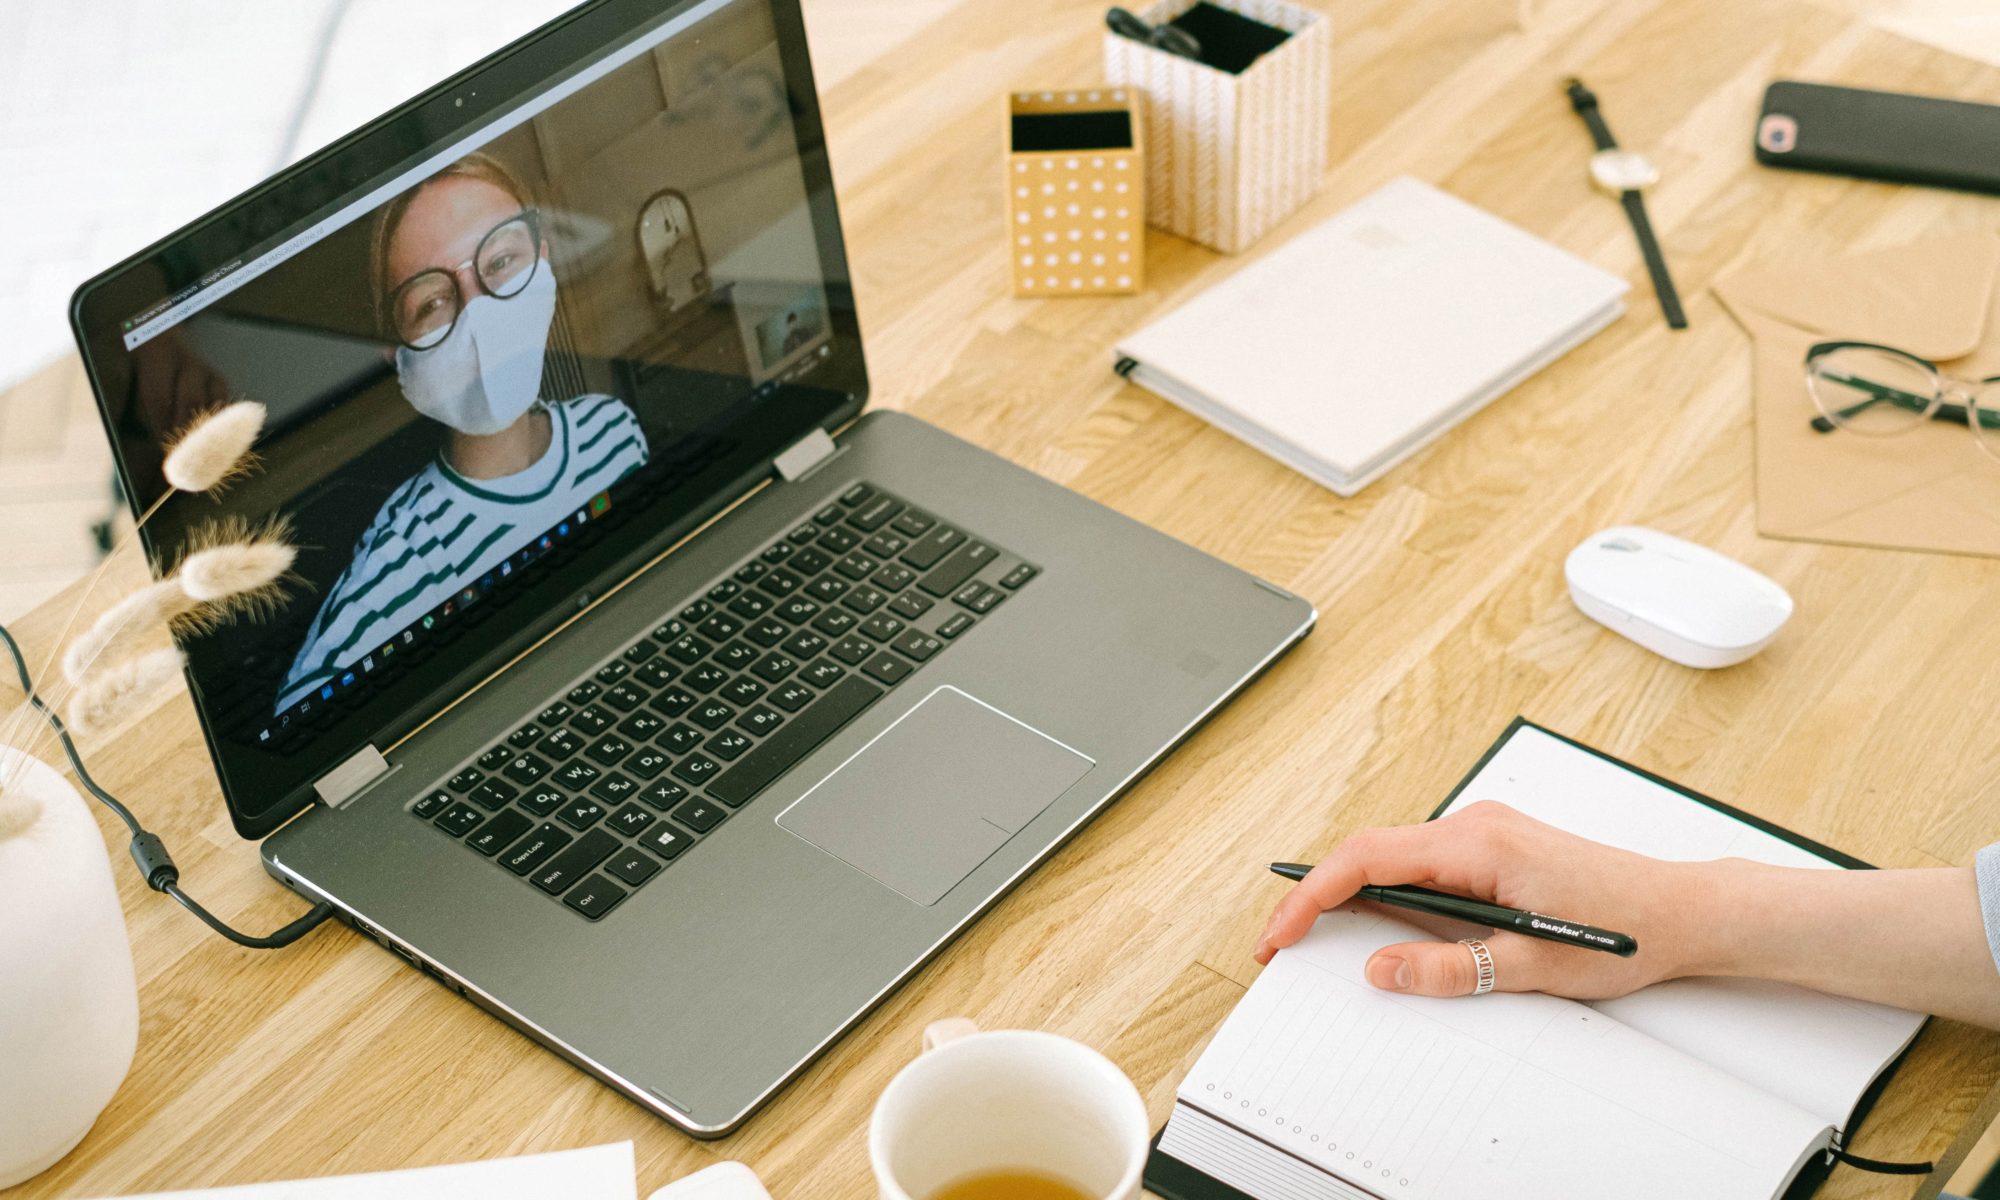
point(1320, 1087)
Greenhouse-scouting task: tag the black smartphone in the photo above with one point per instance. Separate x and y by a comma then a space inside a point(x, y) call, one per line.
point(1880, 135)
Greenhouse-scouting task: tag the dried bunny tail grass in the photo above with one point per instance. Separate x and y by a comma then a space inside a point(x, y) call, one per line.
point(116, 693)
point(221, 572)
point(215, 449)
point(232, 569)
point(125, 624)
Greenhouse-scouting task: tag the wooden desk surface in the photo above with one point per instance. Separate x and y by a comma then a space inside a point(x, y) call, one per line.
point(1869, 725)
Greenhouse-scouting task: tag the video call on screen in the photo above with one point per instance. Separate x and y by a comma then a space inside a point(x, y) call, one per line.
point(476, 368)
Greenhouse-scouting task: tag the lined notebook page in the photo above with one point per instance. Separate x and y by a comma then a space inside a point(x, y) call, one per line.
point(1818, 1051)
point(1522, 1096)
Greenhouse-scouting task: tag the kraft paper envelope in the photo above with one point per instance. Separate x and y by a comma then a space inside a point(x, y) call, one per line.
point(1929, 489)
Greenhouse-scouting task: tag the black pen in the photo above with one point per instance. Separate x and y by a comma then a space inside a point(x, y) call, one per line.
point(1496, 916)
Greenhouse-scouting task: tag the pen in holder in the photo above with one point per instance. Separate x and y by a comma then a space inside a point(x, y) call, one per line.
point(1076, 192)
point(1236, 140)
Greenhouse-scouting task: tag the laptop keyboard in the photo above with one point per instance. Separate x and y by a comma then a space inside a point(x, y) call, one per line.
point(615, 779)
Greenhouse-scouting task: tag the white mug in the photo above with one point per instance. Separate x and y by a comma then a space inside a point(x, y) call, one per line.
point(1011, 1099)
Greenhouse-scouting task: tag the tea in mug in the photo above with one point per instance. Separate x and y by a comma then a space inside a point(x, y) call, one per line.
point(1011, 1185)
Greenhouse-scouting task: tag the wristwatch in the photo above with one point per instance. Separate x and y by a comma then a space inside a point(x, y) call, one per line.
point(1626, 174)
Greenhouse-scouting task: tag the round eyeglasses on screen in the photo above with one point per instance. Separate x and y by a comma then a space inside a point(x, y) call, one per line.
point(424, 308)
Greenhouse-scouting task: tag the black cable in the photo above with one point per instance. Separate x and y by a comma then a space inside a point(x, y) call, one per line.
point(1882, 1168)
point(148, 851)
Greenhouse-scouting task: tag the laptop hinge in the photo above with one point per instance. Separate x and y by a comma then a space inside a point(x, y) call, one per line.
point(802, 456)
point(347, 780)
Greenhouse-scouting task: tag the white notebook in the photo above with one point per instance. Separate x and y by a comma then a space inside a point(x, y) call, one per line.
point(1349, 347)
point(1320, 1087)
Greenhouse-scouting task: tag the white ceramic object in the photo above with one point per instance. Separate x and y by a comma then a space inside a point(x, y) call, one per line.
point(976, 1102)
point(69, 1005)
point(1675, 598)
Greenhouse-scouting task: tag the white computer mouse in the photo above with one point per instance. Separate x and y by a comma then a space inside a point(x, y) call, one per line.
point(1677, 599)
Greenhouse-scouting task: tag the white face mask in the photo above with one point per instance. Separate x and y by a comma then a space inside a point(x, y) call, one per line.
point(483, 377)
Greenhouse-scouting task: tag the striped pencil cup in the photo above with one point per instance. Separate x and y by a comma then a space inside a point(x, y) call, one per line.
point(1229, 155)
point(1076, 192)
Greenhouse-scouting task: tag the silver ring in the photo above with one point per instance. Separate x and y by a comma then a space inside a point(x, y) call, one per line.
point(1483, 959)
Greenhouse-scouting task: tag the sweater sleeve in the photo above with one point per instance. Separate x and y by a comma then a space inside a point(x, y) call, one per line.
point(1987, 867)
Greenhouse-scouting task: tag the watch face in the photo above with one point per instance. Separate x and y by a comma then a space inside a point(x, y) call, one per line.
point(1623, 170)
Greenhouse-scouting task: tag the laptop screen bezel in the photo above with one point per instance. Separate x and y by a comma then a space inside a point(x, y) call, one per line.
point(257, 802)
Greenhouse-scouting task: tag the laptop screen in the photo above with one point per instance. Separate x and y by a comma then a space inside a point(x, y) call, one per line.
point(514, 340)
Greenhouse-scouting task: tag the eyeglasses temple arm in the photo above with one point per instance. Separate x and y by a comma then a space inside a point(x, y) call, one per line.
point(1877, 393)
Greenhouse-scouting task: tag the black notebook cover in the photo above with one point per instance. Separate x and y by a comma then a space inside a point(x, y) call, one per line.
point(1175, 1180)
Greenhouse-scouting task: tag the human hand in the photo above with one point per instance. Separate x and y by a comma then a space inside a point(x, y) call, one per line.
point(1495, 853)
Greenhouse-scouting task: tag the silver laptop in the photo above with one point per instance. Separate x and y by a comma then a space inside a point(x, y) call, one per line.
point(637, 686)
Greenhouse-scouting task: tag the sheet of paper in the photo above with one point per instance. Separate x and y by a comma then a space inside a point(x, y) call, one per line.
point(1818, 1051)
point(1514, 1095)
point(596, 1173)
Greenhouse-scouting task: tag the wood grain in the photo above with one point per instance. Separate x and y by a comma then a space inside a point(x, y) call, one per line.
point(1868, 725)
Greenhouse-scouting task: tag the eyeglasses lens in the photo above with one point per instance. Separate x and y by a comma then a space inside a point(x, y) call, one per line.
point(1985, 414)
point(426, 306)
point(1872, 392)
point(507, 258)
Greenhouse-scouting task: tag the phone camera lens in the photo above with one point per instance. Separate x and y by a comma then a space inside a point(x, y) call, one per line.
point(1778, 133)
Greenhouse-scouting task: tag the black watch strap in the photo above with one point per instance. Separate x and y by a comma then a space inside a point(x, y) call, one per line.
point(1584, 101)
point(1656, 262)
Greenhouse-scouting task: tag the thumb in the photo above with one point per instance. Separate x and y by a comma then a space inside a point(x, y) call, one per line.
point(1424, 969)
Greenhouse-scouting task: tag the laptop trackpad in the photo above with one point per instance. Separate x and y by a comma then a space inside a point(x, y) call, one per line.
point(935, 794)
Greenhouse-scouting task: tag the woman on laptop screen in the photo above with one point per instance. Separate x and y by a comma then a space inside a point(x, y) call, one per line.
point(463, 284)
